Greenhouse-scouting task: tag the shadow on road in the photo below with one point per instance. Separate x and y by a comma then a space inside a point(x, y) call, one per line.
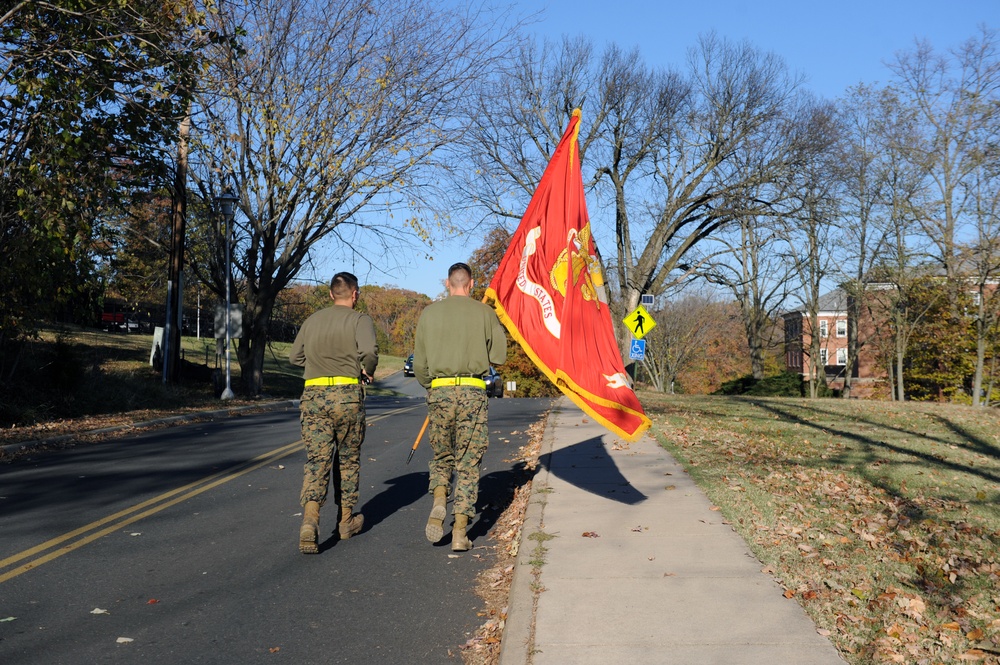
point(496, 491)
point(402, 491)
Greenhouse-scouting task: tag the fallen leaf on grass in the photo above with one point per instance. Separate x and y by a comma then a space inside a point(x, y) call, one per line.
point(976, 634)
point(715, 508)
point(823, 631)
point(98, 610)
point(951, 625)
point(789, 593)
point(590, 534)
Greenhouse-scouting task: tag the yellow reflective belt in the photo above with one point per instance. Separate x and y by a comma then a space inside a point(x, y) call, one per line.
point(458, 381)
point(333, 381)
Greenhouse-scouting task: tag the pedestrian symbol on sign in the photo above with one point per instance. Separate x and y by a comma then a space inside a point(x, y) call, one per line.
point(639, 322)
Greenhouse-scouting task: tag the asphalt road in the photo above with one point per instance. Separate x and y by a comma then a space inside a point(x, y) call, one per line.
point(184, 541)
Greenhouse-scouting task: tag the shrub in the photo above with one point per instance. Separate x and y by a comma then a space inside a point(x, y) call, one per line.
point(786, 384)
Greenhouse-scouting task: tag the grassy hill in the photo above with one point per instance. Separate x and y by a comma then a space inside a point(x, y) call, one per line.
point(76, 378)
point(881, 519)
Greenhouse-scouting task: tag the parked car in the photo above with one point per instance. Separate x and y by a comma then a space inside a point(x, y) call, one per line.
point(494, 383)
point(408, 366)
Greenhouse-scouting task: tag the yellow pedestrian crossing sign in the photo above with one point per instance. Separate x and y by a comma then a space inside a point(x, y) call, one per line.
point(639, 322)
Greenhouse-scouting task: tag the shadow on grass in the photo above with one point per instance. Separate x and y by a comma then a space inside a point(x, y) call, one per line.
point(871, 445)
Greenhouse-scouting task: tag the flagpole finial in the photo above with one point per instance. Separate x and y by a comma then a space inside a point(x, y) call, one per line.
point(577, 112)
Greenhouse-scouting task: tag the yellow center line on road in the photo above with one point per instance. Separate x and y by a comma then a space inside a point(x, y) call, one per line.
point(153, 506)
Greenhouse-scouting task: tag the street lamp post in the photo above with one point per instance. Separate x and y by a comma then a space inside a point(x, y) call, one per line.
point(226, 201)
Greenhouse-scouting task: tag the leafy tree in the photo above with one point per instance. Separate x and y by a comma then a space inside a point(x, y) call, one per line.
point(89, 95)
point(135, 249)
point(485, 260)
point(680, 338)
point(725, 355)
point(395, 312)
point(940, 358)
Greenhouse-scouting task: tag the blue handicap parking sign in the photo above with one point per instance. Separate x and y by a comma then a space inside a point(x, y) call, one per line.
point(637, 350)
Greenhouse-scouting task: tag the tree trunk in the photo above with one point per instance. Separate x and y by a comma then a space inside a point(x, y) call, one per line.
point(900, 389)
point(256, 328)
point(977, 380)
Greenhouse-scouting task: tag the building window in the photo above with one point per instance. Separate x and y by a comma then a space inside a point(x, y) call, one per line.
point(841, 356)
point(823, 356)
point(824, 329)
point(841, 327)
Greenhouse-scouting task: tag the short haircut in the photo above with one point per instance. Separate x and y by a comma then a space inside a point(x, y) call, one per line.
point(343, 285)
point(459, 274)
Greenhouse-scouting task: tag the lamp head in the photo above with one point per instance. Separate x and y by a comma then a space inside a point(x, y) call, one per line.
point(226, 200)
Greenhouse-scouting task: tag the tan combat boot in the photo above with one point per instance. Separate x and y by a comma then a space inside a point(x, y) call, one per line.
point(350, 524)
point(435, 523)
point(309, 532)
point(459, 541)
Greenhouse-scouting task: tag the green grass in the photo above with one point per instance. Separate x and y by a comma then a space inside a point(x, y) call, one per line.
point(72, 374)
point(882, 519)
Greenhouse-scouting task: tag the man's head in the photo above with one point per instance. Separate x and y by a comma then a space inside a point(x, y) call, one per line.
point(459, 279)
point(344, 289)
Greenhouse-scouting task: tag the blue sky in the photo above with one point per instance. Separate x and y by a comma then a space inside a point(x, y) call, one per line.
point(834, 44)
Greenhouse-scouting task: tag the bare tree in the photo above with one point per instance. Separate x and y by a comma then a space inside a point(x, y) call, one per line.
point(680, 337)
point(983, 265)
point(862, 172)
point(809, 226)
point(954, 98)
point(329, 122)
point(890, 304)
point(675, 157)
point(755, 269)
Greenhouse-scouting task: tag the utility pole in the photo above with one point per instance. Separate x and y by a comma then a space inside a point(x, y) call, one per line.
point(172, 331)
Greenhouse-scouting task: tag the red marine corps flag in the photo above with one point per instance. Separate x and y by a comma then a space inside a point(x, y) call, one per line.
point(549, 293)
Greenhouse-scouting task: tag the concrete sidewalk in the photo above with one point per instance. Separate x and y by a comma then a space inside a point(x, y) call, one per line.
point(640, 569)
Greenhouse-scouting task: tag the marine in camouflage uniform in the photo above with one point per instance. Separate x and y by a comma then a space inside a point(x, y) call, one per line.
point(457, 340)
point(337, 348)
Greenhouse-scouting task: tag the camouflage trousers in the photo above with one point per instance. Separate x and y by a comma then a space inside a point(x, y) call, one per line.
point(333, 429)
point(458, 433)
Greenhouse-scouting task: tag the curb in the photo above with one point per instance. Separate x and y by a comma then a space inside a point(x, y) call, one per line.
point(36, 444)
point(516, 643)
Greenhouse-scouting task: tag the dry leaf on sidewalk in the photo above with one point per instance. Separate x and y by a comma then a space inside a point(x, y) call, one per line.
point(590, 534)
